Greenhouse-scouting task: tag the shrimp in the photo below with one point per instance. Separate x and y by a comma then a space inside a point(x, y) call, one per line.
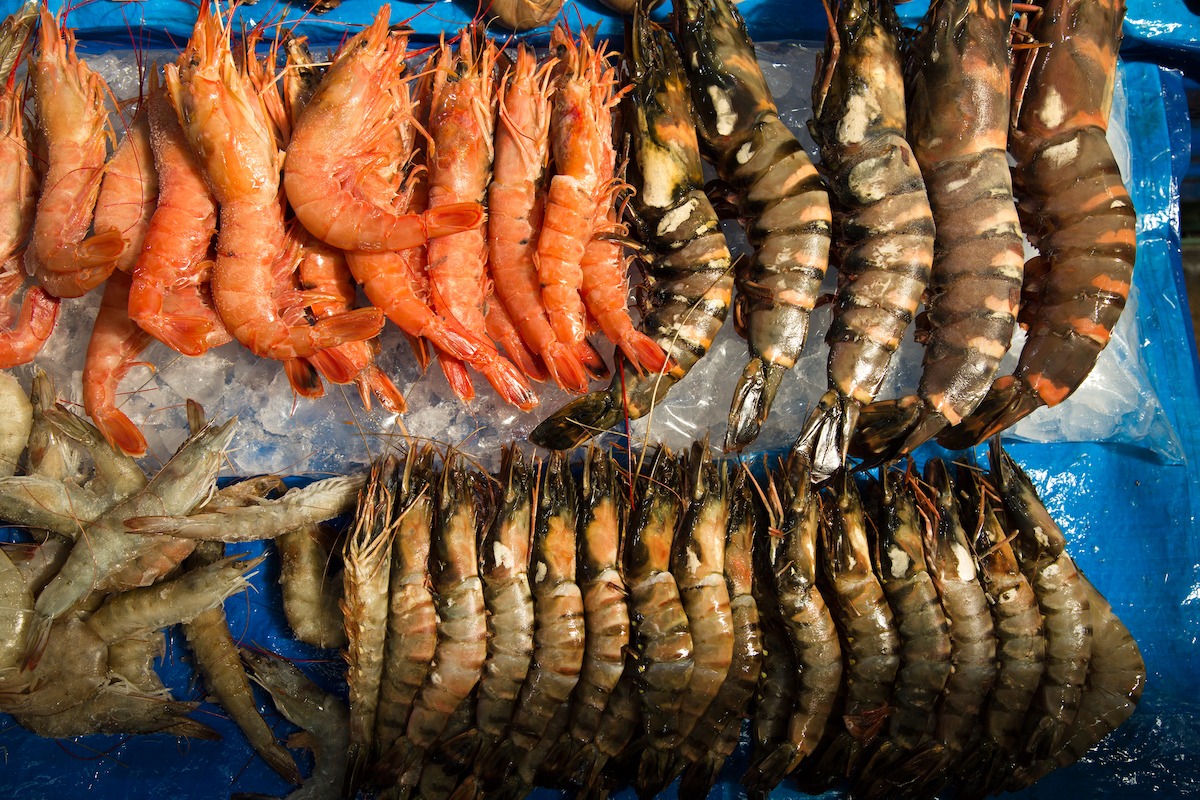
point(872, 646)
point(781, 198)
point(775, 696)
point(118, 708)
point(662, 640)
point(129, 190)
point(1065, 606)
point(461, 124)
point(17, 413)
point(170, 298)
point(217, 659)
point(23, 333)
point(619, 725)
point(226, 123)
point(16, 599)
point(132, 660)
point(881, 222)
point(322, 716)
point(716, 734)
point(516, 202)
point(344, 156)
point(558, 634)
point(115, 342)
point(581, 142)
point(909, 755)
point(796, 512)
point(74, 125)
point(311, 597)
point(367, 556)
point(689, 281)
point(116, 475)
point(1075, 210)
point(49, 454)
point(412, 618)
point(974, 289)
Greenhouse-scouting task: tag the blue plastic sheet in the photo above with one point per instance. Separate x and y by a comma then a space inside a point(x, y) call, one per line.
point(1131, 520)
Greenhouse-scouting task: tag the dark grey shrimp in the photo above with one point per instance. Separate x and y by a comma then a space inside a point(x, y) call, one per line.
point(882, 224)
point(782, 201)
point(620, 725)
point(716, 734)
point(689, 280)
point(1040, 548)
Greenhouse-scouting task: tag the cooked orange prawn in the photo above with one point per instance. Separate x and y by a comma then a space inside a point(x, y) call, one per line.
point(226, 124)
point(170, 297)
point(129, 191)
point(116, 341)
point(342, 176)
point(74, 123)
point(461, 124)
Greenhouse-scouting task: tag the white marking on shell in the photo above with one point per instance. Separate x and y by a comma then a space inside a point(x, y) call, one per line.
point(965, 566)
point(504, 555)
point(1052, 112)
point(726, 119)
point(1050, 570)
point(900, 562)
point(744, 153)
point(1040, 536)
point(861, 110)
point(1008, 595)
point(1062, 154)
point(540, 574)
point(676, 217)
point(693, 560)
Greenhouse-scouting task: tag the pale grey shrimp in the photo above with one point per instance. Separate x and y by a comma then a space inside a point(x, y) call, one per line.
point(909, 752)
point(37, 501)
point(311, 595)
point(411, 617)
point(16, 612)
point(132, 660)
point(716, 734)
point(322, 716)
point(972, 636)
point(1064, 604)
point(698, 563)
point(872, 646)
point(216, 658)
point(558, 635)
point(266, 519)
point(116, 475)
point(367, 556)
point(662, 641)
point(16, 421)
point(796, 513)
point(49, 454)
point(119, 708)
point(74, 667)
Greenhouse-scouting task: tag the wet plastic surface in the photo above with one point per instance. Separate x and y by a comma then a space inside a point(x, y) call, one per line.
point(1130, 518)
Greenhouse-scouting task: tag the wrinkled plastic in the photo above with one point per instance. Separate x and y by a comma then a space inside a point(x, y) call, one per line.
point(1130, 519)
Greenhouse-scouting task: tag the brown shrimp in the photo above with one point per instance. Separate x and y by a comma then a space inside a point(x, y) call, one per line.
point(170, 298)
point(962, 61)
point(796, 513)
point(689, 280)
point(1066, 610)
point(780, 196)
point(619, 726)
point(716, 734)
point(412, 617)
point(882, 223)
point(1075, 210)
point(74, 125)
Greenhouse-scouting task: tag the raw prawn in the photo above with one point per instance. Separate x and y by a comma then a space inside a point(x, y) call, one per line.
point(17, 414)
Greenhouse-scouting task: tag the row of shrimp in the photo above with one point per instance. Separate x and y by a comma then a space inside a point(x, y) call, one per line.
point(919, 209)
point(534, 628)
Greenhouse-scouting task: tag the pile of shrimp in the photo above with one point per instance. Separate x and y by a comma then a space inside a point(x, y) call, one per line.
point(472, 193)
point(625, 622)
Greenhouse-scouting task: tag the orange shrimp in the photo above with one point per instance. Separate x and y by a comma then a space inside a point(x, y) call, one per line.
point(129, 191)
point(170, 298)
point(581, 136)
point(461, 123)
point(20, 338)
point(116, 342)
point(74, 124)
point(503, 331)
point(516, 198)
point(342, 177)
point(226, 124)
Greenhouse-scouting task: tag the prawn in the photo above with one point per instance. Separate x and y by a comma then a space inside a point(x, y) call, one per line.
point(129, 190)
point(780, 196)
point(1075, 210)
point(963, 62)
point(882, 223)
point(74, 124)
point(689, 280)
point(311, 597)
point(17, 414)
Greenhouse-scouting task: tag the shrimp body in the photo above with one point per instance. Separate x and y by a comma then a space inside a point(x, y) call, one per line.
point(689, 281)
point(18, 422)
point(346, 151)
point(975, 285)
point(170, 298)
point(227, 125)
point(310, 595)
point(74, 124)
point(780, 196)
point(882, 222)
point(114, 344)
point(129, 191)
point(1075, 209)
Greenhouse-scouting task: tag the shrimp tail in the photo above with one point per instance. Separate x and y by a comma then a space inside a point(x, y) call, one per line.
point(191, 729)
point(419, 350)
point(452, 218)
point(592, 360)
point(826, 436)
point(120, 431)
point(469, 789)
point(500, 327)
point(456, 375)
point(509, 383)
point(375, 381)
point(304, 378)
point(352, 326)
point(566, 367)
point(752, 401)
point(39, 313)
point(655, 771)
point(187, 334)
point(461, 750)
point(97, 255)
point(1007, 402)
point(890, 429)
point(700, 776)
point(35, 640)
point(647, 355)
point(578, 421)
